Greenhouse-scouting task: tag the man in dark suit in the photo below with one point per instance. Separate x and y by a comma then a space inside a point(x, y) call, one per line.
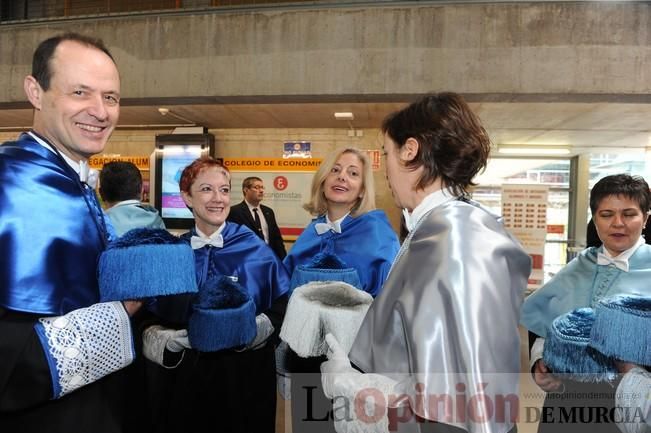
point(259, 218)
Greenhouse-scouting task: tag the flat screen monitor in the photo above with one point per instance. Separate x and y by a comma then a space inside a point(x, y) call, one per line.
point(174, 152)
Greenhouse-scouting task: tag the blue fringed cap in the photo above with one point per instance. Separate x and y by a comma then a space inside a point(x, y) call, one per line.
point(324, 267)
point(622, 328)
point(146, 263)
point(567, 353)
point(223, 316)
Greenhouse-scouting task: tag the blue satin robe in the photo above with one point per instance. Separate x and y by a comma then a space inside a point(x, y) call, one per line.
point(46, 271)
point(582, 283)
point(247, 258)
point(366, 243)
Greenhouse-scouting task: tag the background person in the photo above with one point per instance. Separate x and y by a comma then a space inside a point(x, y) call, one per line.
point(619, 205)
point(446, 319)
point(120, 186)
point(59, 345)
point(265, 225)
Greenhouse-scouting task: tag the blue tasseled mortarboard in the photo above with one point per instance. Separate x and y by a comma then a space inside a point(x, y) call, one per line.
point(146, 263)
point(223, 316)
point(324, 267)
point(622, 328)
point(567, 353)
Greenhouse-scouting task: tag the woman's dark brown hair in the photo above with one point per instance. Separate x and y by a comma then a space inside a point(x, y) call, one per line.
point(453, 144)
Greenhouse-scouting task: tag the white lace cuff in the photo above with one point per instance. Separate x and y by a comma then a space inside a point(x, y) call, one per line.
point(86, 345)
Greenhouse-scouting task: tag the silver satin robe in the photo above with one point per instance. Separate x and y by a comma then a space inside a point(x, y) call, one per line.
point(447, 317)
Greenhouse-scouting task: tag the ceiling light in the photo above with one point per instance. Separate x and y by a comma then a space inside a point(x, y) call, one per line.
point(506, 149)
point(164, 111)
point(347, 115)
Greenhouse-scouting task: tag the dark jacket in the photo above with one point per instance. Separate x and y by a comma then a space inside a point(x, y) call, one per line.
point(240, 214)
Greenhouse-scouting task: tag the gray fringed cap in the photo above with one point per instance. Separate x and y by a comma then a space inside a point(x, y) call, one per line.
point(321, 307)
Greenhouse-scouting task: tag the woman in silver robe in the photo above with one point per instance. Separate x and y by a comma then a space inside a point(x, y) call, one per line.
point(439, 347)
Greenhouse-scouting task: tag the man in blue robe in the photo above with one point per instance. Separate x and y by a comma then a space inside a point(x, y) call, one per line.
point(60, 347)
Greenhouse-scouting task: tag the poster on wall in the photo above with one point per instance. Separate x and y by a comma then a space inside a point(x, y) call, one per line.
point(297, 149)
point(374, 157)
point(524, 209)
point(287, 187)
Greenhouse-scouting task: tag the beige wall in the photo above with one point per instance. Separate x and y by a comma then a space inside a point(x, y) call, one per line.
point(506, 48)
point(261, 143)
point(267, 143)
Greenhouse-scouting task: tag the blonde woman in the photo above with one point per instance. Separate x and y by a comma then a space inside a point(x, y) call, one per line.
point(347, 223)
point(348, 226)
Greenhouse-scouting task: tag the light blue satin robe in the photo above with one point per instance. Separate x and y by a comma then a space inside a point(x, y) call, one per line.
point(582, 283)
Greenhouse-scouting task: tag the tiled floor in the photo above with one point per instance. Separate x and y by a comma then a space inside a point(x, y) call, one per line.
point(531, 398)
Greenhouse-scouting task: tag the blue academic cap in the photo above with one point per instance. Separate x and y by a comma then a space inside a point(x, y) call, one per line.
point(145, 263)
point(567, 353)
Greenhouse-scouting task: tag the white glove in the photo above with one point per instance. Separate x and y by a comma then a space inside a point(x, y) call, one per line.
point(336, 368)
point(156, 339)
point(264, 329)
point(340, 379)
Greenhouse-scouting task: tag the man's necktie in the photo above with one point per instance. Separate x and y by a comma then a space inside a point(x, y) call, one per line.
point(256, 218)
point(197, 242)
point(322, 228)
point(604, 260)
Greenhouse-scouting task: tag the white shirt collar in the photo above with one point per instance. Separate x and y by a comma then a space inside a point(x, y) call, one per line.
point(126, 202)
point(86, 174)
point(251, 207)
point(431, 201)
point(327, 226)
point(217, 233)
point(624, 255)
point(336, 222)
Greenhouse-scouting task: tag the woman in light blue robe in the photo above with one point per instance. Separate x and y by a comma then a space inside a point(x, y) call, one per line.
point(622, 265)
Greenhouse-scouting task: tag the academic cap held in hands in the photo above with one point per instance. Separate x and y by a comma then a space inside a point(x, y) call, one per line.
point(567, 352)
point(146, 263)
point(223, 316)
point(622, 328)
point(324, 267)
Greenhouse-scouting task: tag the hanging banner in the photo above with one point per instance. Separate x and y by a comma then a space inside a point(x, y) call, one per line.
point(287, 188)
point(524, 209)
point(97, 162)
point(272, 164)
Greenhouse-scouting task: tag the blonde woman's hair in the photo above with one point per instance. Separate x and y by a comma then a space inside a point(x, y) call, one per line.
point(318, 204)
